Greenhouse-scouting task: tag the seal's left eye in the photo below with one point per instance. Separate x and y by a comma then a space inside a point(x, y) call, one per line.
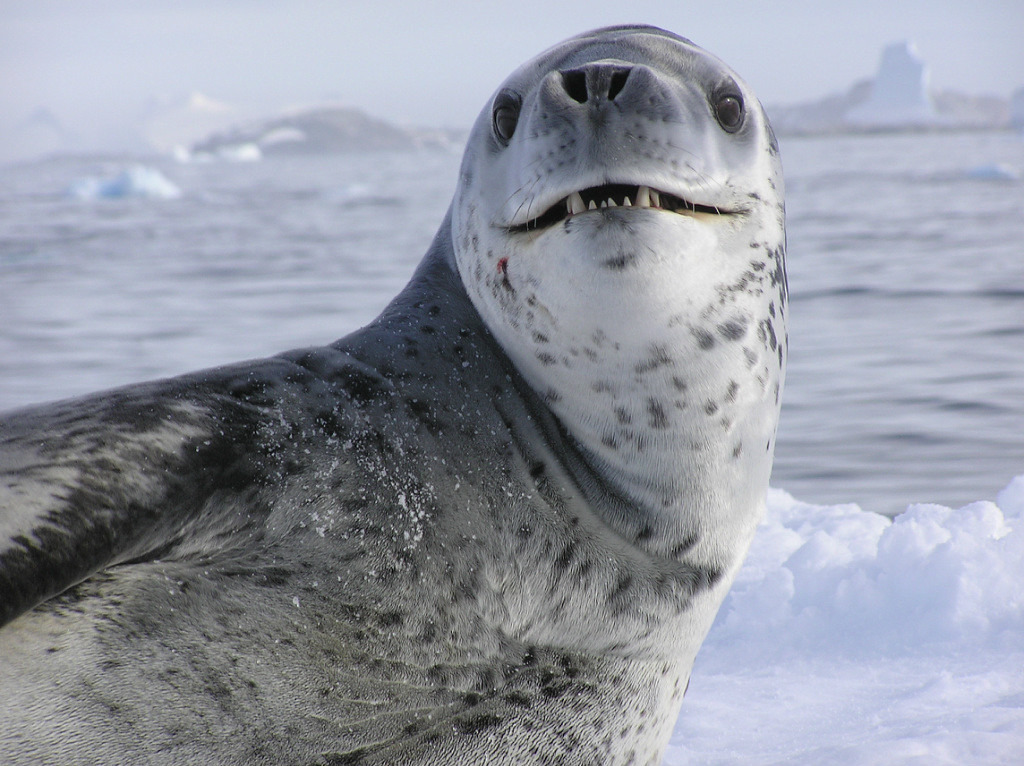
point(729, 112)
point(505, 114)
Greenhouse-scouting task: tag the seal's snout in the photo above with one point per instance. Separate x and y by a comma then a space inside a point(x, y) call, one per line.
point(595, 82)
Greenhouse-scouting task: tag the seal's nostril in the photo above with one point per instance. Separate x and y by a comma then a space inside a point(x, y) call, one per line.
point(595, 82)
point(575, 84)
point(618, 82)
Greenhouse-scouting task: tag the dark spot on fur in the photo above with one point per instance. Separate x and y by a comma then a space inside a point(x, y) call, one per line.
point(518, 699)
point(623, 585)
point(425, 414)
point(568, 666)
point(555, 690)
point(620, 261)
point(476, 723)
point(732, 330)
point(656, 411)
point(390, 619)
point(685, 545)
point(363, 386)
point(705, 339)
point(413, 728)
point(766, 332)
point(565, 557)
point(659, 358)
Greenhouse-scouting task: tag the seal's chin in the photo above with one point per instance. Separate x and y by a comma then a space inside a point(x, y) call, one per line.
point(614, 195)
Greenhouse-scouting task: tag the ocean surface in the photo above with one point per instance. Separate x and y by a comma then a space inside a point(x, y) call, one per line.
point(906, 266)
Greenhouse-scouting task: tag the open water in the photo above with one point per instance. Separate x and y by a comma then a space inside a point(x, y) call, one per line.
point(906, 265)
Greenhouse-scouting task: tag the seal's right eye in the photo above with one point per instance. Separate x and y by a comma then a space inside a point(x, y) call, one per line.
point(505, 114)
point(729, 111)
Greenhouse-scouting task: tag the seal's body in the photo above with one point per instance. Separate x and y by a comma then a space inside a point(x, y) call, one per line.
point(491, 527)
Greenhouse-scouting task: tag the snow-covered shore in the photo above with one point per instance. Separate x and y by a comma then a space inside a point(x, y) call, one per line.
point(850, 638)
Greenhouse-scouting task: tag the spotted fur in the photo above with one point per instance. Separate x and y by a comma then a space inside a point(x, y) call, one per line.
point(491, 527)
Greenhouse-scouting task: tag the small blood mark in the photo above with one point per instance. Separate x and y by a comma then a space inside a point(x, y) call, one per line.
point(503, 266)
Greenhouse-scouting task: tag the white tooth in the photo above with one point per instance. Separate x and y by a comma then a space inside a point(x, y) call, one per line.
point(593, 205)
point(575, 202)
point(643, 196)
point(627, 203)
point(655, 199)
point(611, 202)
point(604, 205)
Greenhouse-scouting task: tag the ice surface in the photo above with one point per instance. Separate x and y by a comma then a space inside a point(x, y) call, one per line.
point(136, 181)
point(850, 638)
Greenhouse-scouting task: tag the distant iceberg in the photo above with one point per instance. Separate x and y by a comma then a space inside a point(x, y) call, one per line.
point(137, 181)
point(1017, 109)
point(898, 98)
point(995, 171)
point(899, 93)
point(170, 122)
point(244, 152)
point(328, 129)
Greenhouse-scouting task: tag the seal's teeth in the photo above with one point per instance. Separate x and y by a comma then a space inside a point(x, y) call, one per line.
point(627, 203)
point(592, 206)
point(574, 203)
point(655, 198)
point(643, 196)
point(610, 203)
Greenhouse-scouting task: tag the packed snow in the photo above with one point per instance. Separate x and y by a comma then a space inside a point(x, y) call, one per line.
point(852, 638)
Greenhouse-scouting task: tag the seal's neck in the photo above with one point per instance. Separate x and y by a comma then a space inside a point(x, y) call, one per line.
point(667, 388)
point(683, 435)
point(666, 375)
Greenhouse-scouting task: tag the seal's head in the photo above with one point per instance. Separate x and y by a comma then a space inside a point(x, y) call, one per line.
point(619, 224)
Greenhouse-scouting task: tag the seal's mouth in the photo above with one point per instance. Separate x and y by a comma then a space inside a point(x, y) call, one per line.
point(613, 195)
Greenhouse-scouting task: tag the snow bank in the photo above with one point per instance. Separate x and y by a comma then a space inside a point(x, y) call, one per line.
point(137, 181)
point(850, 638)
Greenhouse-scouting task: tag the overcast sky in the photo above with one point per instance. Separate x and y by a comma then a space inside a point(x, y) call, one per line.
point(95, 63)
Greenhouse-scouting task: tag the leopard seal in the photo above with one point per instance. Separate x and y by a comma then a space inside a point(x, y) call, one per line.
point(493, 526)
